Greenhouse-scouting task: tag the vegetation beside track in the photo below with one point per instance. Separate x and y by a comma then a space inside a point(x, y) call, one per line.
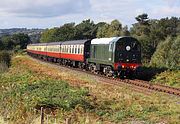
point(29, 85)
point(169, 78)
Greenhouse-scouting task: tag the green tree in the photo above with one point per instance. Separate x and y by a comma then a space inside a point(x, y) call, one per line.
point(167, 54)
point(7, 42)
point(1, 45)
point(85, 30)
point(20, 39)
point(49, 35)
point(115, 29)
point(112, 30)
point(143, 19)
point(125, 31)
point(103, 31)
point(66, 32)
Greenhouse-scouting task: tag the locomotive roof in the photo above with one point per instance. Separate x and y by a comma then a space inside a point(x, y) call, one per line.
point(105, 40)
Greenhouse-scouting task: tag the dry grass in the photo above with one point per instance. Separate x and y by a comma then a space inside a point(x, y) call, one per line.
point(113, 104)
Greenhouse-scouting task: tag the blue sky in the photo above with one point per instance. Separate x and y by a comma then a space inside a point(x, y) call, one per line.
point(53, 13)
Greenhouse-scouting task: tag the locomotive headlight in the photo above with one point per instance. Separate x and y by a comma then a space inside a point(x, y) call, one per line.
point(128, 48)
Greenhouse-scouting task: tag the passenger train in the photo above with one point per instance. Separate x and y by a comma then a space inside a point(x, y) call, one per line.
point(115, 56)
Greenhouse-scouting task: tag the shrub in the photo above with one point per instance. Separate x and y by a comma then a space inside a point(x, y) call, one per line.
point(148, 72)
point(3, 67)
point(5, 58)
point(167, 54)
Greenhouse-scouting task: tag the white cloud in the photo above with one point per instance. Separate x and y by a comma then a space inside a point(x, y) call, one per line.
point(173, 3)
point(49, 13)
point(43, 8)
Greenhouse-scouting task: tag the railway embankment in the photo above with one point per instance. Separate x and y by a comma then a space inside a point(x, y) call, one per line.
point(30, 84)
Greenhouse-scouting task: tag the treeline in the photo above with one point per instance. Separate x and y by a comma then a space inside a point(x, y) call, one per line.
point(14, 42)
point(87, 29)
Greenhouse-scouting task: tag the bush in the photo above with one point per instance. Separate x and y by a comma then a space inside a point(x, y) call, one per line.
point(167, 54)
point(169, 77)
point(148, 72)
point(5, 58)
point(3, 67)
point(49, 94)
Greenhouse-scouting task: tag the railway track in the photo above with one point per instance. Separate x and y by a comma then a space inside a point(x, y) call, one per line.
point(138, 84)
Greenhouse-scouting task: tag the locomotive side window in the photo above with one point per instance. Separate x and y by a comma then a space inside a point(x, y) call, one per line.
point(111, 47)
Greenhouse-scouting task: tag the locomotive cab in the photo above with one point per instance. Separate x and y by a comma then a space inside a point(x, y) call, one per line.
point(127, 55)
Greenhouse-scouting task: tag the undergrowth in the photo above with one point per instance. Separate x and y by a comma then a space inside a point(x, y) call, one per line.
point(169, 78)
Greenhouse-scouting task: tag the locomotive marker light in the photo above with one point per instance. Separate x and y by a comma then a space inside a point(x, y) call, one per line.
point(128, 48)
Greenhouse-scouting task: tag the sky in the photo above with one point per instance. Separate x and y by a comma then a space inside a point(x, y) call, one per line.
point(54, 13)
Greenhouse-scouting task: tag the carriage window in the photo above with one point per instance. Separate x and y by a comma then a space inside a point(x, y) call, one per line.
point(82, 50)
point(78, 50)
point(75, 51)
point(69, 49)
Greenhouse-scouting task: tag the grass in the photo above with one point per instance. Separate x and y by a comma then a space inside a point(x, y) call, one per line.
point(28, 85)
point(169, 78)
point(23, 91)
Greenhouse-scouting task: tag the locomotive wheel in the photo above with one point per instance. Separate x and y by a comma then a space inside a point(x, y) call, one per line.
point(108, 71)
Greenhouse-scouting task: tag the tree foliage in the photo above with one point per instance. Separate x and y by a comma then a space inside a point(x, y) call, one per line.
point(143, 19)
point(85, 30)
point(167, 54)
point(110, 30)
point(14, 41)
point(150, 32)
